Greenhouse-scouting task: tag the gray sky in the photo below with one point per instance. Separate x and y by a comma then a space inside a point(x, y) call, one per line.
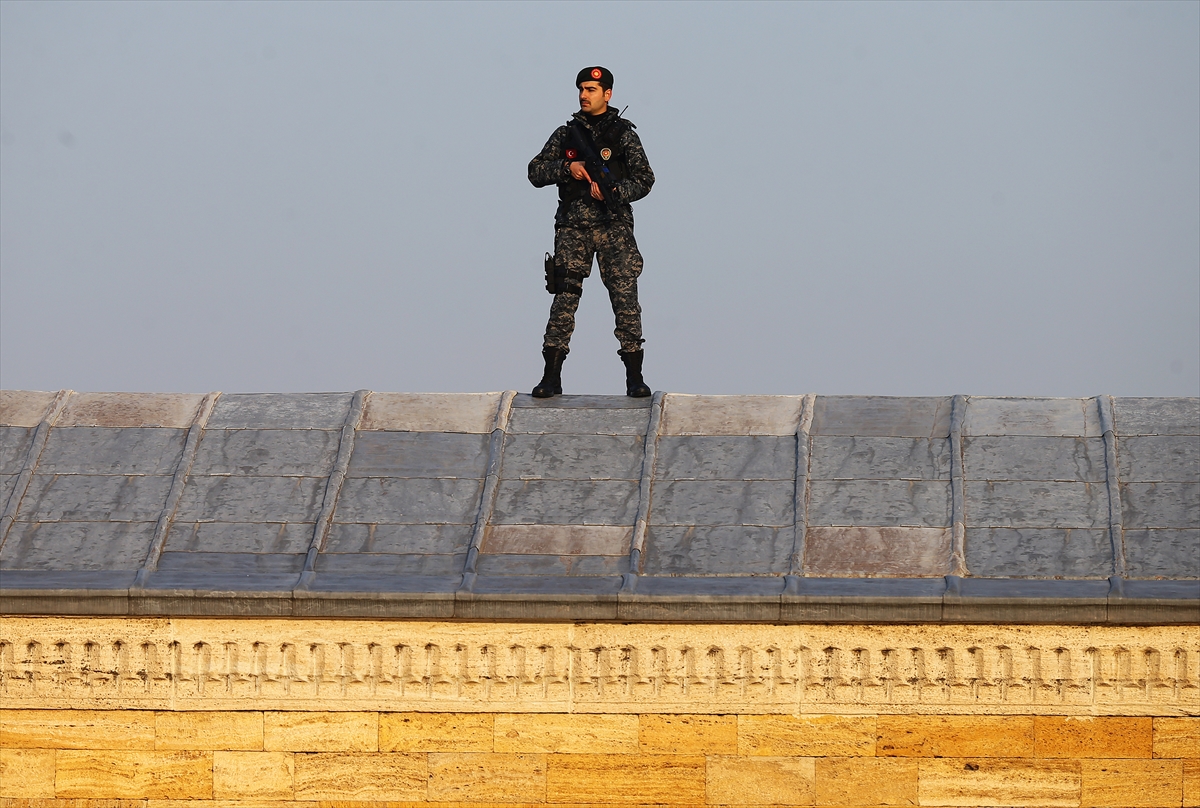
point(893, 199)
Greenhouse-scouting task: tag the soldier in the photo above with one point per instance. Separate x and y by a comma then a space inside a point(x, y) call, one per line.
point(598, 164)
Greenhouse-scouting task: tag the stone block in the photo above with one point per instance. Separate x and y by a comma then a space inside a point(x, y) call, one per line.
point(1059, 736)
point(992, 782)
point(231, 563)
point(24, 408)
point(687, 734)
point(174, 804)
point(409, 501)
point(760, 780)
point(890, 503)
point(104, 450)
point(390, 564)
point(745, 457)
point(1035, 504)
point(77, 545)
point(251, 499)
point(93, 498)
point(1046, 417)
point(432, 412)
point(76, 729)
point(1191, 783)
point(356, 777)
point(595, 778)
point(239, 537)
point(1160, 505)
point(717, 550)
point(723, 502)
point(435, 732)
point(562, 502)
point(1157, 416)
point(839, 457)
point(320, 732)
point(208, 730)
point(280, 411)
point(7, 483)
point(1159, 458)
point(573, 457)
point(1023, 457)
point(267, 452)
point(419, 454)
point(812, 736)
point(112, 774)
point(574, 421)
point(14, 448)
point(1004, 552)
point(1177, 737)
point(558, 539)
point(253, 776)
point(939, 736)
point(587, 401)
point(852, 552)
point(172, 410)
point(1131, 783)
point(730, 415)
point(486, 777)
point(27, 773)
point(566, 733)
point(523, 564)
point(882, 416)
point(401, 539)
point(866, 781)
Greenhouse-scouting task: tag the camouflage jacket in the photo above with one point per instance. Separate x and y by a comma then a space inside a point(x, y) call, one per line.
point(549, 167)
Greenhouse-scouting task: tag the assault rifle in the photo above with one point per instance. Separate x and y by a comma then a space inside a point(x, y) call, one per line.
point(586, 148)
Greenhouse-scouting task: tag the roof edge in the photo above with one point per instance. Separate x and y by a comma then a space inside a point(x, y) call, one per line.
point(765, 600)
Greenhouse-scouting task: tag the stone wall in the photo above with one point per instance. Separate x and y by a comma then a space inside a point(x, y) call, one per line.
point(192, 712)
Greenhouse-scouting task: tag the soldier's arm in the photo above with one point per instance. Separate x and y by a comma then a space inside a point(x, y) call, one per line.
point(549, 167)
point(641, 176)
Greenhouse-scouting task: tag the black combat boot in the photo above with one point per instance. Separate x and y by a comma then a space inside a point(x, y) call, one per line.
point(551, 383)
point(635, 385)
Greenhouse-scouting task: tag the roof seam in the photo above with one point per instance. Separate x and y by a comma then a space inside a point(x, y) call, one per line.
point(649, 457)
point(800, 493)
point(491, 486)
point(1112, 481)
point(40, 436)
point(183, 468)
point(958, 519)
point(333, 486)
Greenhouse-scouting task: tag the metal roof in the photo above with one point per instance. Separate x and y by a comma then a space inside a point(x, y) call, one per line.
point(679, 507)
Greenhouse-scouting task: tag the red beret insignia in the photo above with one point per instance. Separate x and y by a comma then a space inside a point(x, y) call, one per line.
point(596, 73)
point(572, 154)
point(605, 154)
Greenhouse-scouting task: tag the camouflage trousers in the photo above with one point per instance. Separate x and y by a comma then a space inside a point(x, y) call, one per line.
point(620, 262)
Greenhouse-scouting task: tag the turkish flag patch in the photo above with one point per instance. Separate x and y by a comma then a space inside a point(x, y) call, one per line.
point(572, 154)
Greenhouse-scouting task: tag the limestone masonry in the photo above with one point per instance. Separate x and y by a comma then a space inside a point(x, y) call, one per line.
point(297, 601)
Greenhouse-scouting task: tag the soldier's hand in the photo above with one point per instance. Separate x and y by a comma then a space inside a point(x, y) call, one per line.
point(579, 171)
point(597, 193)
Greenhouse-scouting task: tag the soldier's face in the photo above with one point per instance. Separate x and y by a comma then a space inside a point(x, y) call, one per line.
point(593, 99)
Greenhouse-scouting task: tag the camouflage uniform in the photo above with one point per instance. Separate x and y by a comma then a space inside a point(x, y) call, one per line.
point(584, 228)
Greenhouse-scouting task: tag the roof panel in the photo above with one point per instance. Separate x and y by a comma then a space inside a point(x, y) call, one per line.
point(678, 507)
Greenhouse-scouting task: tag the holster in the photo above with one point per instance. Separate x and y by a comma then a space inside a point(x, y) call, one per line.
point(557, 281)
point(551, 275)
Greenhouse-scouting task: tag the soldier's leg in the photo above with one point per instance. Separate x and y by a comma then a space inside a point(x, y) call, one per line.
point(620, 265)
point(573, 249)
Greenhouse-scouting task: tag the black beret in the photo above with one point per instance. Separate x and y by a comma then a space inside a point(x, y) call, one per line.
point(599, 74)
